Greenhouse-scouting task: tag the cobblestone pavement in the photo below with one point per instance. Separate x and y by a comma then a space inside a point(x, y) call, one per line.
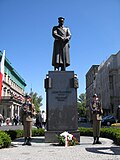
point(46, 151)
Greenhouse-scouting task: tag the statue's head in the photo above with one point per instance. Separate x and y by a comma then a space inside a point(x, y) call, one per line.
point(61, 20)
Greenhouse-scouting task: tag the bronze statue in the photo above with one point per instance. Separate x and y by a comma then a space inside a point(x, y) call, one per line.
point(61, 56)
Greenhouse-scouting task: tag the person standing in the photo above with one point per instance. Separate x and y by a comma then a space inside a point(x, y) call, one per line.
point(62, 35)
point(96, 111)
point(15, 119)
point(43, 119)
point(118, 114)
point(1, 119)
point(26, 113)
point(39, 120)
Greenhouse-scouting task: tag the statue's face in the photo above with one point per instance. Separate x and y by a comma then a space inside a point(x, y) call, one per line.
point(61, 21)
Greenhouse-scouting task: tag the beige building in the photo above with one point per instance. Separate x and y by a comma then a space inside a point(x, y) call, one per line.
point(107, 84)
point(13, 87)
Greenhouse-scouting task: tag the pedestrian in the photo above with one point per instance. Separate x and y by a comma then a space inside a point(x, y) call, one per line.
point(8, 121)
point(118, 114)
point(1, 119)
point(15, 119)
point(39, 120)
point(96, 112)
point(62, 35)
point(43, 119)
point(26, 113)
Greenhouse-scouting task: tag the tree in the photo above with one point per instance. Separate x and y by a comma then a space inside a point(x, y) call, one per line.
point(36, 100)
point(81, 105)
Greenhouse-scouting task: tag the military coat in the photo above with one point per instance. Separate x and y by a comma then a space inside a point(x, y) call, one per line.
point(61, 46)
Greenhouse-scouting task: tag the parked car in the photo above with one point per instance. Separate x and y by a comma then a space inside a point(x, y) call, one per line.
point(82, 119)
point(108, 120)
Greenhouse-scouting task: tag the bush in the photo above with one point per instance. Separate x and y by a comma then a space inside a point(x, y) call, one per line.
point(19, 133)
point(7, 136)
point(61, 140)
point(111, 133)
point(15, 134)
point(85, 131)
point(1, 142)
point(5, 140)
point(38, 132)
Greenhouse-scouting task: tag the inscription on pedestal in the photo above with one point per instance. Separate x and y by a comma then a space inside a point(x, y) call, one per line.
point(61, 95)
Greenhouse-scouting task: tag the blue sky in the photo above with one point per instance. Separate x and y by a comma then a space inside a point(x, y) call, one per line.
point(25, 34)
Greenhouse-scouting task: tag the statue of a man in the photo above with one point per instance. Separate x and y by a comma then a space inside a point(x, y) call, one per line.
point(62, 35)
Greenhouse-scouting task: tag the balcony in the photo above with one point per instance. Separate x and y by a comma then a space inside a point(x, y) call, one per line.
point(10, 99)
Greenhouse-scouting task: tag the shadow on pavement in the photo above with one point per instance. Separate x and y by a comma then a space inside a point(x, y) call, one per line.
point(34, 140)
point(105, 150)
point(20, 141)
point(86, 143)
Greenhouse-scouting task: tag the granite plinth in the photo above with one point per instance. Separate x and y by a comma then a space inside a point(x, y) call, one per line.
point(61, 102)
point(51, 136)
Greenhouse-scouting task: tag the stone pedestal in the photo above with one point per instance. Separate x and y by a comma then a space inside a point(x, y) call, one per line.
point(51, 136)
point(61, 104)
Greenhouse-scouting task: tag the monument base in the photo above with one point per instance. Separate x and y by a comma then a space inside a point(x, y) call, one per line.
point(51, 136)
point(61, 104)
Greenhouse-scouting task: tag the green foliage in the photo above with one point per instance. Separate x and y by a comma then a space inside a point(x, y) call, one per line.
point(82, 98)
point(1, 143)
point(81, 105)
point(72, 142)
point(14, 133)
point(7, 136)
point(19, 133)
point(36, 100)
point(85, 131)
point(61, 140)
point(111, 133)
point(5, 140)
point(38, 132)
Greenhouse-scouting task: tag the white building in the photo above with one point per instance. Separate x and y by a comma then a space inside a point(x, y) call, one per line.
point(12, 91)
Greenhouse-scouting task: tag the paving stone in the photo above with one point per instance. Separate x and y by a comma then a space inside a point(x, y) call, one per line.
point(47, 151)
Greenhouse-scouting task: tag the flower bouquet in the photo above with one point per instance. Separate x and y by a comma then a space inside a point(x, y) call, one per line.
point(67, 139)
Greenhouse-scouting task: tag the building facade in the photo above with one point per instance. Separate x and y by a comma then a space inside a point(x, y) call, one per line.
point(90, 83)
point(90, 86)
point(13, 88)
point(107, 84)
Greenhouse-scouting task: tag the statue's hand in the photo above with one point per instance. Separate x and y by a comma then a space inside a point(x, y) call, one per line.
point(65, 40)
